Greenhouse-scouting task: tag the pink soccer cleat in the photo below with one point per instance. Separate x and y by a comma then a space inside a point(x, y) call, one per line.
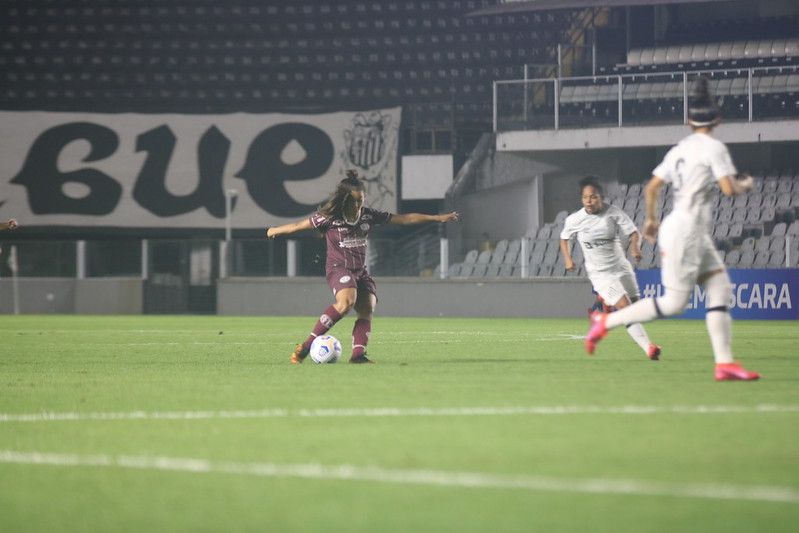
point(653, 352)
point(596, 332)
point(734, 372)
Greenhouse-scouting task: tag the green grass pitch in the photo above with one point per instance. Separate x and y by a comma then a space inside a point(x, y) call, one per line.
point(195, 424)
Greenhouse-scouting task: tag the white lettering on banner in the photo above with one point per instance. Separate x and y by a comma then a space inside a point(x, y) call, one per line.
point(767, 297)
point(744, 296)
point(170, 170)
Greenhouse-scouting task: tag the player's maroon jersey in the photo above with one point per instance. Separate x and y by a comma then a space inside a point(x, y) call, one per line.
point(346, 241)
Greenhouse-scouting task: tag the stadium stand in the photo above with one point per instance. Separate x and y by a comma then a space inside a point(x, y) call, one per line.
point(428, 56)
point(746, 230)
point(713, 55)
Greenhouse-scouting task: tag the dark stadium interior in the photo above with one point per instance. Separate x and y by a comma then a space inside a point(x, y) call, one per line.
point(444, 62)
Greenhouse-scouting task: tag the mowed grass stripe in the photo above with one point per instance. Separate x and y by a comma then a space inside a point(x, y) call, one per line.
point(416, 477)
point(403, 412)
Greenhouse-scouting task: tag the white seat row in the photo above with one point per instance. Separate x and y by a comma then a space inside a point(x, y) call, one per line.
point(782, 83)
point(702, 52)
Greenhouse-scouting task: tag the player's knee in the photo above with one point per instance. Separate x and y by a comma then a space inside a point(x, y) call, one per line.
point(672, 302)
point(365, 309)
point(344, 305)
point(718, 291)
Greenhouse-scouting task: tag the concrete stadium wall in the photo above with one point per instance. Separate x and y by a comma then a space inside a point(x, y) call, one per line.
point(423, 297)
point(94, 296)
point(306, 296)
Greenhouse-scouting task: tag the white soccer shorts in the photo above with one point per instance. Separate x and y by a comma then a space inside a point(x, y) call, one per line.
point(686, 252)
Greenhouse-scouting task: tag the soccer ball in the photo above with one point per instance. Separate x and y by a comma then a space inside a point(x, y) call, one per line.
point(325, 349)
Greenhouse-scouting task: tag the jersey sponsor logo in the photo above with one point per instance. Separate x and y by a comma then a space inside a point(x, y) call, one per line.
point(344, 279)
point(352, 242)
point(599, 242)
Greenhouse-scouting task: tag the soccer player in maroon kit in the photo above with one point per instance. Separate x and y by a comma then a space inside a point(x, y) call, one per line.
point(346, 224)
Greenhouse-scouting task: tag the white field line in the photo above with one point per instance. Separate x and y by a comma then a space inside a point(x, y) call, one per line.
point(414, 477)
point(458, 338)
point(402, 412)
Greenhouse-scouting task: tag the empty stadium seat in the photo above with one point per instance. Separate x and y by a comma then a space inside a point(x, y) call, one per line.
point(777, 244)
point(507, 271)
point(746, 259)
point(454, 270)
point(777, 259)
point(761, 259)
point(779, 229)
point(736, 234)
point(733, 258)
point(492, 270)
point(762, 244)
point(479, 270)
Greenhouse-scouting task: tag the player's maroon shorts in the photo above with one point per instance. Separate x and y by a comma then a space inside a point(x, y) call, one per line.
point(344, 278)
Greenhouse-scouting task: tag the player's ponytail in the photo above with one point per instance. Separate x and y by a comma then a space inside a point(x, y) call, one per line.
point(703, 111)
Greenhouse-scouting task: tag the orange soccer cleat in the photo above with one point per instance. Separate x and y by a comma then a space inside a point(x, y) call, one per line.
point(299, 355)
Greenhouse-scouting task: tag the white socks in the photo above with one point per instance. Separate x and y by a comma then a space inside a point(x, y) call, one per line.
point(718, 293)
point(638, 333)
point(641, 311)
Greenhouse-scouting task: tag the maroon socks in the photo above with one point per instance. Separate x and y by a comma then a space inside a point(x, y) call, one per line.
point(360, 336)
point(326, 321)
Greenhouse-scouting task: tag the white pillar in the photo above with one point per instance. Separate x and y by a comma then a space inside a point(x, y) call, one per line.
point(80, 252)
point(229, 195)
point(144, 259)
point(444, 258)
point(524, 257)
point(223, 262)
point(291, 258)
point(14, 265)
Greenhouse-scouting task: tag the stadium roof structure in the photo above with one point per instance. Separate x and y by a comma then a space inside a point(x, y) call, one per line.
point(521, 6)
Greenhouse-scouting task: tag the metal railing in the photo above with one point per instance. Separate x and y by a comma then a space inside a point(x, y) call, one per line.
point(200, 263)
point(653, 98)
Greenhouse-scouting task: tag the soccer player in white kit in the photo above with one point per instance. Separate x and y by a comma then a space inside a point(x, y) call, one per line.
point(598, 227)
point(688, 256)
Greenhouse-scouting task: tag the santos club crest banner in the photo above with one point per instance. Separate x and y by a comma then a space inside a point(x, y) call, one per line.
point(135, 170)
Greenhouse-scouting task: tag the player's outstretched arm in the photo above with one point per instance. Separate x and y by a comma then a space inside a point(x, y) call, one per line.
point(568, 262)
point(11, 224)
point(418, 218)
point(285, 229)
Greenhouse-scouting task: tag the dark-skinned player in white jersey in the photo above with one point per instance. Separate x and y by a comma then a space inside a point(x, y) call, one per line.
point(346, 223)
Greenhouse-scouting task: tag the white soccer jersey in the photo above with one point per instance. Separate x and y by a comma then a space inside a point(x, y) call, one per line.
point(692, 167)
point(598, 236)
